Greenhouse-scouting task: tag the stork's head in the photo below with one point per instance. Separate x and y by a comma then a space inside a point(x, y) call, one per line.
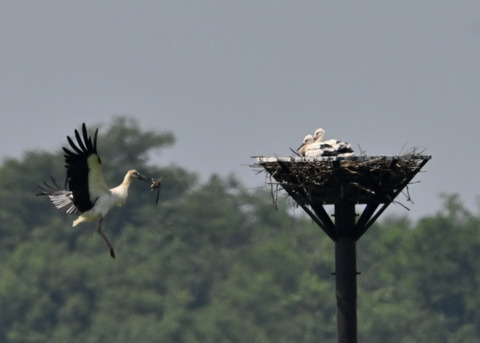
point(306, 141)
point(319, 135)
point(133, 174)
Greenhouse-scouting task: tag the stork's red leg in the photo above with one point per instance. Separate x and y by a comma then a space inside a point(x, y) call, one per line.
point(100, 232)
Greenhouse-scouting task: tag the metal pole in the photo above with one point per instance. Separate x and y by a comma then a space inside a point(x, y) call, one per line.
point(346, 273)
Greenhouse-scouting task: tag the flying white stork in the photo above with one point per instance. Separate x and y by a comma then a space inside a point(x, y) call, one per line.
point(87, 193)
point(339, 148)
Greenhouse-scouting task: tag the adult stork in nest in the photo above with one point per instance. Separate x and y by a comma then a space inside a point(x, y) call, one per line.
point(312, 148)
point(87, 193)
point(339, 148)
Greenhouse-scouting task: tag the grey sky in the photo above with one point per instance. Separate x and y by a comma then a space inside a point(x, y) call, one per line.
point(232, 79)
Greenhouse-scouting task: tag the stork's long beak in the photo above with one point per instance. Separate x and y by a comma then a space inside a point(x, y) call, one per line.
point(144, 178)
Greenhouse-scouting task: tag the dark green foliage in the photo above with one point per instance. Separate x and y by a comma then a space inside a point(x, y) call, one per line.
point(422, 282)
point(213, 262)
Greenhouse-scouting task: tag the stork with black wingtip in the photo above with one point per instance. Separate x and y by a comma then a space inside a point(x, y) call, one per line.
point(87, 193)
point(338, 148)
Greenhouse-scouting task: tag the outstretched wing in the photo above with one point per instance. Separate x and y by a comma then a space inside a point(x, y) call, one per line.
point(61, 198)
point(84, 170)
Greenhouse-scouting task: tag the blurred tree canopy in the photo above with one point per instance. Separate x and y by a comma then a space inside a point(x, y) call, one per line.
point(214, 262)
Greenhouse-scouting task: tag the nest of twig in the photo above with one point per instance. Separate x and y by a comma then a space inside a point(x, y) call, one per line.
point(330, 180)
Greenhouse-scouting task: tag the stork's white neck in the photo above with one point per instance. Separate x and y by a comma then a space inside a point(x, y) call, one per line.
point(121, 191)
point(127, 180)
point(319, 135)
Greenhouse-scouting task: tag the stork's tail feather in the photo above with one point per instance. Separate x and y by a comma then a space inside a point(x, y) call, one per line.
point(62, 199)
point(48, 189)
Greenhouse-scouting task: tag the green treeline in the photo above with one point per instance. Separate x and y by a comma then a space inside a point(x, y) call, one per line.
point(215, 262)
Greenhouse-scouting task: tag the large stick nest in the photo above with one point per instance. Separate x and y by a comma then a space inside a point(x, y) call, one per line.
point(330, 180)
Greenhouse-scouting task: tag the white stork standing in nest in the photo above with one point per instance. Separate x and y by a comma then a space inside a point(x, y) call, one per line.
point(87, 193)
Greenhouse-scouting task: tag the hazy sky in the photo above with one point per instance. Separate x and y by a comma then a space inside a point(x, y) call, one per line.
point(232, 79)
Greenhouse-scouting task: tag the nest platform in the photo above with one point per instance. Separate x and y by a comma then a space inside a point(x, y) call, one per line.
point(329, 180)
point(316, 181)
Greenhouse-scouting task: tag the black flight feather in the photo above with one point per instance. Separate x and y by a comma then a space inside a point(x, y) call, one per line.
point(76, 163)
